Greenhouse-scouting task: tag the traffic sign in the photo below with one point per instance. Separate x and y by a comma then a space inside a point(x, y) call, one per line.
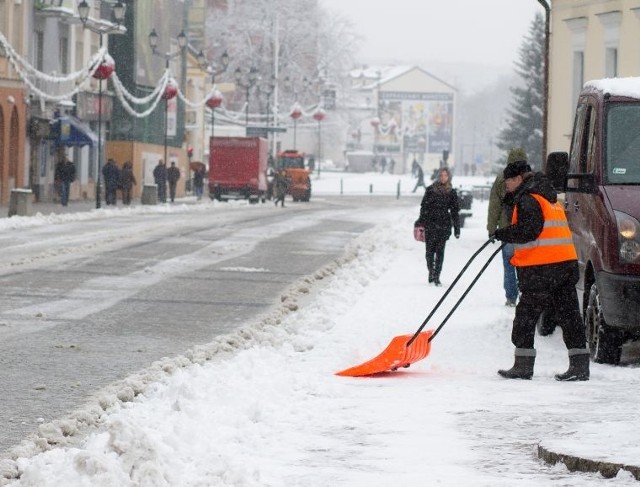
point(261, 131)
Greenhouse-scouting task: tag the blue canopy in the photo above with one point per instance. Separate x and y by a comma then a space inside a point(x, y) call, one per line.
point(71, 132)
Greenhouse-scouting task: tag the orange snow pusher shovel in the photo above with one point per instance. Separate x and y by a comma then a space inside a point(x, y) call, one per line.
point(405, 350)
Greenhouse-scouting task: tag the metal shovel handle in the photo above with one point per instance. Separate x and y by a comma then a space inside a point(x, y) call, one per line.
point(451, 286)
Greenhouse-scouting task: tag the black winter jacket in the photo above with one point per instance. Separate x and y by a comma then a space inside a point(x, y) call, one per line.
point(439, 211)
point(542, 278)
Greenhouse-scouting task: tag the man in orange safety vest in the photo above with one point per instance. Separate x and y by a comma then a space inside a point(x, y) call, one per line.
point(547, 267)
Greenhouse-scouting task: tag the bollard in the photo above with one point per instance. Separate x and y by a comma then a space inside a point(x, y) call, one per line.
point(149, 194)
point(20, 202)
point(398, 191)
point(341, 188)
point(370, 188)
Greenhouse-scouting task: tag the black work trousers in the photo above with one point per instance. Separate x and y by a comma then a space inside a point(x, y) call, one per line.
point(559, 300)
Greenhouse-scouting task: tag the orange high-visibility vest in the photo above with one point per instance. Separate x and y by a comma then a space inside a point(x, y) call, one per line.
point(553, 245)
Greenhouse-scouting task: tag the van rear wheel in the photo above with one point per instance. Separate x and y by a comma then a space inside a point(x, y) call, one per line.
point(605, 342)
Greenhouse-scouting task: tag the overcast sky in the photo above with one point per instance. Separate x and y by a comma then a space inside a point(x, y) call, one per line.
point(415, 31)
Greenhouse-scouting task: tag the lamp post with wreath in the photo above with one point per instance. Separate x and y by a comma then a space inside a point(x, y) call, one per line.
point(171, 90)
point(295, 114)
point(104, 71)
point(319, 116)
point(215, 100)
point(246, 82)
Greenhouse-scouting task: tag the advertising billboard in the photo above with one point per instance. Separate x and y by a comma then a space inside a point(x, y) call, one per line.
point(422, 122)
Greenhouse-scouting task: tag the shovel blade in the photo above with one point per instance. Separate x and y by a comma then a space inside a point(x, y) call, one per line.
point(395, 356)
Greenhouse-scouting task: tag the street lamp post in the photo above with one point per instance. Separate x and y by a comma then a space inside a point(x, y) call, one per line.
point(252, 77)
point(318, 116)
point(103, 72)
point(216, 98)
point(295, 114)
point(171, 89)
point(268, 90)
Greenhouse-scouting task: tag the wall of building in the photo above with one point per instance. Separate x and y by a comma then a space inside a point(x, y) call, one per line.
point(13, 107)
point(586, 37)
point(144, 158)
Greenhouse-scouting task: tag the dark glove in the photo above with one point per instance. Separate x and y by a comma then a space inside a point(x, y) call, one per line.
point(456, 234)
point(498, 234)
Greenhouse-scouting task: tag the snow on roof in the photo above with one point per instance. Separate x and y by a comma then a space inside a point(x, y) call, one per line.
point(617, 86)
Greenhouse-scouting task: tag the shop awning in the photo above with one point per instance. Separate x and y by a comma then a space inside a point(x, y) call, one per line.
point(71, 132)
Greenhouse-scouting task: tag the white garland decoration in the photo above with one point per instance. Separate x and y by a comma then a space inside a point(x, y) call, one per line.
point(80, 77)
point(120, 93)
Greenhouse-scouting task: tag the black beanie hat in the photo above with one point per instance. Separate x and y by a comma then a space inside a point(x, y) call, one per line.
point(516, 168)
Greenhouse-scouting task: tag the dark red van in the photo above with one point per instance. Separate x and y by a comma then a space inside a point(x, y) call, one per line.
point(601, 181)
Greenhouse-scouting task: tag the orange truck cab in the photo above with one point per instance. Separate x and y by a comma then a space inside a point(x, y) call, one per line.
point(600, 177)
point(292, 162)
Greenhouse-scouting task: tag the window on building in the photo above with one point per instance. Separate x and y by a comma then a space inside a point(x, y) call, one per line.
point(611, 62)
point(38, 50)
point(610, 22)
point(191, 118)
point(3, 20)
point(577, 76)
point(64, 55)
point(578, 27)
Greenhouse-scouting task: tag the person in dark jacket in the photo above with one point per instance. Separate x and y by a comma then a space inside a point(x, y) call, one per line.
point(198, 182)
point(173, 174)
point(281, 185)
point(547, 266)
point(127, 182)
point(65, 174)
point(438, 213)
point(111, 175)
point(420, 176)
point(499, 216)
point(160, 178)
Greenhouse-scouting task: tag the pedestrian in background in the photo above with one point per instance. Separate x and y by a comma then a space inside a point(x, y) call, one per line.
point(282, 186)
point(198, 182)
point(547, 266)
point(173, 174)
point(438, 213)
point(127, 182)
point(64, 175)
point(160, 178)
point(111, 175)
point(499, 216)
point(420, 176)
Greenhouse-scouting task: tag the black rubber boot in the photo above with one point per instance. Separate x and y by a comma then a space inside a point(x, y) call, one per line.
point(578, 367)
point(525, 358)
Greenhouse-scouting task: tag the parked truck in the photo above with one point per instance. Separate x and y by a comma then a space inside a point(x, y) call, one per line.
point(600, 177)
point(238, 168)
point(292, 162)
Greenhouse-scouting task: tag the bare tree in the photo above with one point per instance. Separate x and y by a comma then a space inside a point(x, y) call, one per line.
point(297, 41)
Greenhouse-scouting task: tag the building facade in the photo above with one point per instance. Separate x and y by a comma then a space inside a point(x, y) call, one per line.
point(590, 39)
point(404, 113)
point(14, 25)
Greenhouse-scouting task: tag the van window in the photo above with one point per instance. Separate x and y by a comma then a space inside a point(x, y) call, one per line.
point(622, 144)
point(574, 160)
point(591, 136)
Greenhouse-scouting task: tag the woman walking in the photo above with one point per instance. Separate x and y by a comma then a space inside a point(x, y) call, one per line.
point(438, 213)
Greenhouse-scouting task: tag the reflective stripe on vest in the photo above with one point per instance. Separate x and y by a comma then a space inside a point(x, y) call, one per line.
point(554, 244)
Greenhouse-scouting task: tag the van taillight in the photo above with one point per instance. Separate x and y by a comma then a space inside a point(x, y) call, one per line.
point(628, 238)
